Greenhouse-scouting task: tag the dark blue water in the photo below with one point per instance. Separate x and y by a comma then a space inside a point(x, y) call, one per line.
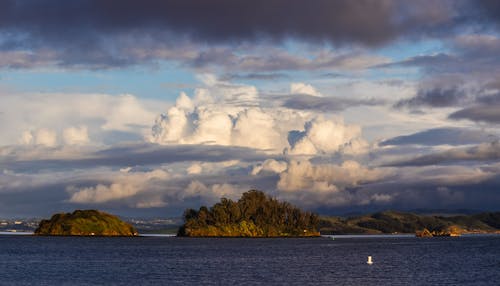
point(28, 260)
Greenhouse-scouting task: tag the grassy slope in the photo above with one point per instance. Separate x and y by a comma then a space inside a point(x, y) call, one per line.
point(399, 222)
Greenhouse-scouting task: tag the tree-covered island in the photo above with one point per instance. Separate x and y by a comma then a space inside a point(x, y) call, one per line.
point(254, 215)
point(85, 223)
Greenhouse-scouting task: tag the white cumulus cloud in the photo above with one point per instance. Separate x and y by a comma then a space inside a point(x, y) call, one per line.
point(46, 137)
point(322, 135)
point(76, 135)
point(216, 116)
point(270, 165)
point(214, 192)
point(124, 185)
point(303, 88)
point(304, 176)
point(103, 115)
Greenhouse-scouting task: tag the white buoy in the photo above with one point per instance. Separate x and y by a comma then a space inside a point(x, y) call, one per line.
point(369, 260)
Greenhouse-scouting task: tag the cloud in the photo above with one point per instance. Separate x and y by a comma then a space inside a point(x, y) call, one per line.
point(481, 113)
point(227, 21)
point(153, 188)
point(435, 187)
point(42, 137)
point(431, 62)
point(463, 74)
point(101, 34)
point(217, 116)
point(303, 88)
point(26, 59)
point(76, 135)
point(301, 175)
point(71, 117)
point(271, 166)
point(137, 154)
point(326, 104)
point(325, 184)
point(26, 138)
point(458, 89)
point(254, 76)
point(467, 54)
point(322, 136)
point(124, 185)
point(134, 186)
point(48, 138)
point(440, 136)
point(436, 97)
point(482, 152)
point(460, 73)
point(194, 169)
point(254, 127)
point(477, 45)
point(214, 192)
point(265, 60)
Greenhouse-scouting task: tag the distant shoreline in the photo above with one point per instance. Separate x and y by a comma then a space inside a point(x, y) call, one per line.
point(16, 233)
point(326, 236)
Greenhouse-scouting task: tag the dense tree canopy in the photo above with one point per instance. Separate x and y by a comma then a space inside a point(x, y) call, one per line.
point(85, 223)
point(254, 215)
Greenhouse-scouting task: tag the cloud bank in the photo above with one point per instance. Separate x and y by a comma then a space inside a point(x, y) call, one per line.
point(204, 120)
point(103, 34)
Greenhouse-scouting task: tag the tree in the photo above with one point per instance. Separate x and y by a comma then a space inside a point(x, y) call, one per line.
point(254, 214)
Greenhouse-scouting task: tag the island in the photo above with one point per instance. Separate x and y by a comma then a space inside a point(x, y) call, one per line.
point(85, 223)
point(255, 214)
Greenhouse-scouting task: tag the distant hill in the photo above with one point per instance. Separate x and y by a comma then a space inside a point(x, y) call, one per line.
point(254, 215)
point(401, 222)
point(85, 223)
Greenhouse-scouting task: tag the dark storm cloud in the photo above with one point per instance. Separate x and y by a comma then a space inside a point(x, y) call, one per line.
point(479, 195)
point(475, 57)
point(487, 152)
point(482, 113)
point(457, 90)
point(367, 22)
point(440, 136)
point(308, 102)
point(136, 155)
point(436, 97)
point(34, 201)
point(105, 33)
point(489, 10)
point(424, 61)
point(253, 76)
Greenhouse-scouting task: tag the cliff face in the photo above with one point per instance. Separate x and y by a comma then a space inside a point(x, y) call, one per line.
point(85, 223)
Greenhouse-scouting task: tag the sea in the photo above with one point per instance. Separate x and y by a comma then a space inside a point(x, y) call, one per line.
point(330, 260)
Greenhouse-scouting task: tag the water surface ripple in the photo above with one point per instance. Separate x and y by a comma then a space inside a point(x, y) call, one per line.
point(30, 260)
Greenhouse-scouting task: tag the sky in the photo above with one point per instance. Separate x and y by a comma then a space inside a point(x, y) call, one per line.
point(146, 108)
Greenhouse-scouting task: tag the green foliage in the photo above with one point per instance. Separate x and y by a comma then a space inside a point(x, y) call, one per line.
point(85, 223)
point(254, 215)
point(490, 219)
point(400, 222)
